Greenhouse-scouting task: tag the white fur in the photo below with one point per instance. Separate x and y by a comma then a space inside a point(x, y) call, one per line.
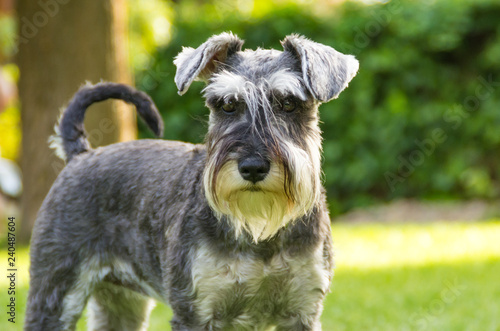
point(98, 322)
point(214, 276)
point(124, 271)
point(73, 304)
point(265, 208)
point(306, 177)
point(56, 142)
point(231, 85)
point(90, 274)
point(262, 213)
point(287, 82)
point(226, 84)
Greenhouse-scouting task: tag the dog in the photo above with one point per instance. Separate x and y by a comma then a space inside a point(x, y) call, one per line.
point(233, 234)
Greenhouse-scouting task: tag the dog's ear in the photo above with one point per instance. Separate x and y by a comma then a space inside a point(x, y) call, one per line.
point(202, 62)
point(325, 71)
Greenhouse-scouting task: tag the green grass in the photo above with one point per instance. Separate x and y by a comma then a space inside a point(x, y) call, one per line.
point(438, 276)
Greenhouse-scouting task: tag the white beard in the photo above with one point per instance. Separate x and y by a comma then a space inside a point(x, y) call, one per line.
point(264, 208)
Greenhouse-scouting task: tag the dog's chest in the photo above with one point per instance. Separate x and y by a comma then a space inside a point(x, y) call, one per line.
point(244, 291)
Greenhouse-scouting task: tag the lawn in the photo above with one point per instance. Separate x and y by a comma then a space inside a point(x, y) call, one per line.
point(436, 276)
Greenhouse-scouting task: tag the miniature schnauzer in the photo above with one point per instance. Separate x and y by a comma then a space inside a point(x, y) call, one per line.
point(233, 234)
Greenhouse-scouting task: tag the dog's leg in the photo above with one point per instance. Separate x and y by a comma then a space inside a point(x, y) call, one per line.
point(311, 323)
point(113, 307)
point(44, 311)
point(300, 327)
point(55, 299)
point(176, 325)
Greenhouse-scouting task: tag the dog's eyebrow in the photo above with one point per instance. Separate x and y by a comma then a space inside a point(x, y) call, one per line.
point(285, 82)
point(225, 84)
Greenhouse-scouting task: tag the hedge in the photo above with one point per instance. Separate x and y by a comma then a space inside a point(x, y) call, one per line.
point(421, 119)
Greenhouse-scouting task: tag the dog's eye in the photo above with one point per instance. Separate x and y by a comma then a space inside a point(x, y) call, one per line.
point(289, 105)
point(229, 106)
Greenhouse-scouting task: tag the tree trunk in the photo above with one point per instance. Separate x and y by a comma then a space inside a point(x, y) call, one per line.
point(63, 44)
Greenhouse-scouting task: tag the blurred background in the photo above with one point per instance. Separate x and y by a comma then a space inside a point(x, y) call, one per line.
point(411, 149)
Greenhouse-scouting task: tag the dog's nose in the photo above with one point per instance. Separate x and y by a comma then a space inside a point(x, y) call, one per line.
point(254, 169)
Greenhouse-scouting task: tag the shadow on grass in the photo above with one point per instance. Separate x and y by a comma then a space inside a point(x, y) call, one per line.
point(462, 296)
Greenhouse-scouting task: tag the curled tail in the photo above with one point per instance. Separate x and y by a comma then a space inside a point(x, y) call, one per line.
point(70, 134)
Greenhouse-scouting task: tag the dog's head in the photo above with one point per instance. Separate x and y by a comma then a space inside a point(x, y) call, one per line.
point(264, 143)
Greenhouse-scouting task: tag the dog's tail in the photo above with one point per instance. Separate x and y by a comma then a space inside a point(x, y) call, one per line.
point(70, 139)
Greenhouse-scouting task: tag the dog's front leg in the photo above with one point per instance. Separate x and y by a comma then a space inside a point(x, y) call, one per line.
point(296, 322)
point(300, 326)
point(178, 325)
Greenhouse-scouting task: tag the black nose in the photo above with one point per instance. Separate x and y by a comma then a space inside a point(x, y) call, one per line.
point(254, 169)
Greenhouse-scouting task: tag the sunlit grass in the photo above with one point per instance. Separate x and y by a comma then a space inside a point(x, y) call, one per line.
point(436, 276)
point(368, 246)
point(434, 297)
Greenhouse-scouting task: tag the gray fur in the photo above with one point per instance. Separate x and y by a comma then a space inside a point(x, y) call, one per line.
point(149, 218)
point(326, 72)
point(201, 62)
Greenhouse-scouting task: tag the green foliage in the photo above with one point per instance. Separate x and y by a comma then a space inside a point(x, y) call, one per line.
point(149, 27)
point(419, 120)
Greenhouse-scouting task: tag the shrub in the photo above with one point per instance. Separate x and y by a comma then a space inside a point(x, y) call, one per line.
point(422, 117)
